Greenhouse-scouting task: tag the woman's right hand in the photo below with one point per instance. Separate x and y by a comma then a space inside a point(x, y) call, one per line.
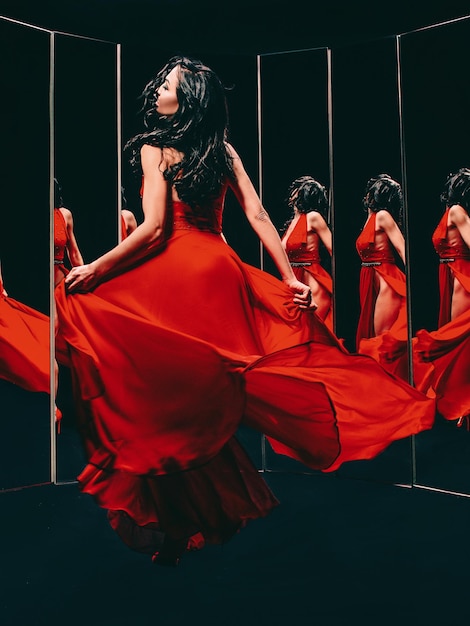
point(302, 294)
point(82, 278)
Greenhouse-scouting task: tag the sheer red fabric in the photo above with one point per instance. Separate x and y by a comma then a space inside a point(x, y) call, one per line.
point(172, 356)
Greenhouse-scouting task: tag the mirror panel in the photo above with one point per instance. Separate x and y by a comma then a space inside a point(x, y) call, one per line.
point(366, 143)
point(436, 100)
point(86, 166)
point(293, 86)
point(24, 253)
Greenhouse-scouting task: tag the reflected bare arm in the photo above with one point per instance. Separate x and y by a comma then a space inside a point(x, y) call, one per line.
point(386, 222)
point(316, 222)
point(460, 218)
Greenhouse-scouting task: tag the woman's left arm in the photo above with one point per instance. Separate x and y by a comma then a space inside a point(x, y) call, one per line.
point(386, 222)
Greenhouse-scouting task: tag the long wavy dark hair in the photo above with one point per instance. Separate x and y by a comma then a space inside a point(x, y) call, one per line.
point(198, 130)
point(383, 192)
point(457, 189)
point(58, 200)
point(306, 194)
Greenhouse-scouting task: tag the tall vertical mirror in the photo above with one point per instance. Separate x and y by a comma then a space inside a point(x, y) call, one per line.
point(86, 202)
point(436, 123)
point(370, 225)
point(296, 171)
point(24, 256)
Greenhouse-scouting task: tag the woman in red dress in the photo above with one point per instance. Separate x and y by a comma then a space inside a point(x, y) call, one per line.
point(447, 350)
point(303, 235)
point(64, 237)
point(174, 342)
point(382, 326)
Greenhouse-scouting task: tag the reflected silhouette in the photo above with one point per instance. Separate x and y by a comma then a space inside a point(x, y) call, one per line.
point(382, 327)
point(303, 236)
point(447, 350)
point(64, 237)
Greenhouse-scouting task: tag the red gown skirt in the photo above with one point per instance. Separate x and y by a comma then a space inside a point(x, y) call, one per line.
point(171, 357)
point(443, 355)
point(391, 347)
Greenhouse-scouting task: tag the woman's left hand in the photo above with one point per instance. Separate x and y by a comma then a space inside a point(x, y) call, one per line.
point(82, 278)
point(302, 294)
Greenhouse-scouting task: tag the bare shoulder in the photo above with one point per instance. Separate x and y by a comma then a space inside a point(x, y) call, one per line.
point(67, 213)
point(150, 154)
point(457, 214)
point(384, 219)
point(236, 160)
point(315, 220)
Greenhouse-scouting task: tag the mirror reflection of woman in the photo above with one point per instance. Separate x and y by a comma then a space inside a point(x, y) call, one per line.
point(447, 350)
point(64, 237)
point(304, 233)
point(382, 287)
point(175, 341)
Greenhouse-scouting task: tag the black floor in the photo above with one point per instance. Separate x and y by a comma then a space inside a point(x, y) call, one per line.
point(336, 552)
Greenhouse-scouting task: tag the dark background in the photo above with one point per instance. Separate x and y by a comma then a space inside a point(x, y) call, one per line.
point(240, 27)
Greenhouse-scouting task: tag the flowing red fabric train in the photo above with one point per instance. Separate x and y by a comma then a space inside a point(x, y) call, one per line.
point(171, 357)
point(24, 345)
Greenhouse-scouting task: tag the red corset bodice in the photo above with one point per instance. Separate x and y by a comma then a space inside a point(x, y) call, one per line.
point(296, 245)
point(60, 236)
point(185, 217)
point(446, 249)
point(369, 250)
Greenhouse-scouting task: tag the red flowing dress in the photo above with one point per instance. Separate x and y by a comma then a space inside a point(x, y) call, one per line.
point(306, 260)
point(389, 348)
point(447, 349)
point(172, 356)
point(60, 243)
point(24, 345)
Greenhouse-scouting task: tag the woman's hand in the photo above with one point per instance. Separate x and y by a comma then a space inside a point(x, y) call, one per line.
point(82, 278)
point(302, 294)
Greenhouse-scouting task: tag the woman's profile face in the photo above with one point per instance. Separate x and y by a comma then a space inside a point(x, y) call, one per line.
point(167, 99)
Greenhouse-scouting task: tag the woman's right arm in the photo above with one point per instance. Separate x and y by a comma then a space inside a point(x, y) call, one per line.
point(139, 244)
point(264, 228)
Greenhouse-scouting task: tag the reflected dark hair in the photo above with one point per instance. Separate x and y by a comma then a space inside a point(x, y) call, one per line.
point(198, 130)
point(383, 192)
point(58, 200)
point(306, 194)
point(457, 189)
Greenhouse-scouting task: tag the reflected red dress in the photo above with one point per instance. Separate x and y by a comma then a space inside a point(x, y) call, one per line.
point(24, 345)
point(305, 259)
point(60, 243)
point(447, 350)
point(172, 356)
point(389, 348)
